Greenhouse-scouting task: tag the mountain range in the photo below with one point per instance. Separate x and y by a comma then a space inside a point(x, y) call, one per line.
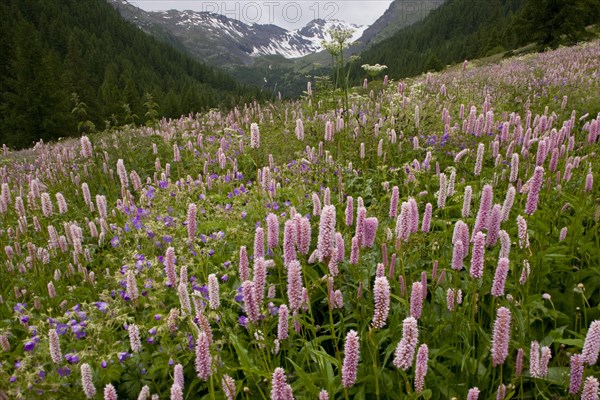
point(219, 40)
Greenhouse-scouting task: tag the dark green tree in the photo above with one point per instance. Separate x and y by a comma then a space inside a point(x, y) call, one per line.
point(552, 22)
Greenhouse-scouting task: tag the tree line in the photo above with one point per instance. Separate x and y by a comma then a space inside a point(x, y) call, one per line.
point(67, 60)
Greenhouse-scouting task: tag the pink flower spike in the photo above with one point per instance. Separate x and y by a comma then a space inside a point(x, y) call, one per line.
point(134, 338)
point(170, 267)
point(260, 280)
point(442, 192)
point(519, 363)
point(316, 204)
point(110, 393)
point(546, 355)
point(280, 390)
point(534, 191)
point(86, 381)
point(203, 357)
point(191, 222)
point(340, 246)
point(272, 231)
point(354, 251)
point(349, 210)
point(500, 277)
point(283, 327)
point(370, 231)
point(250, 304)
point(326, 239)
point(426, 225)
point(176, 392)
point(522, 232)
point(54, 341)
point(477, 257)
point(591, 346)
point(466, 208)
point(394, 202)
point(416, 300)
point(294, 285)
point(361, 216)
point(485, 205)
point(259, 243)
point(351, 355)
point(590, 389)
point(381, 292)
point(414, 215)
point(589, 182)
point(178, 375)
point(457, 256)
point(213, 293)
point(244, 264)
point(405, 351)
point(501, 336)
point(576, 374)
point(421, 367)
point(534, 360)
point(473, 394)
point(289, 250)
point(229, 388)
point(494, 225)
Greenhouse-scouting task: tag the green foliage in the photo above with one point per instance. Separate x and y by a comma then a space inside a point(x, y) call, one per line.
point(552, 22)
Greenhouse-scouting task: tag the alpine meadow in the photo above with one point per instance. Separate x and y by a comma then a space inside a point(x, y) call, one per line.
point(425, 237)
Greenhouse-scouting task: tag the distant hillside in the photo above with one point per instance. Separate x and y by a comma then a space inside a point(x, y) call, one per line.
point(458, 30)
point(400, 14)
point(467, 29)
point(52, 49)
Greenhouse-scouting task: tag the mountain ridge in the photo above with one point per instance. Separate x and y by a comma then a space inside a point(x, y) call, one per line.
point(219, 39)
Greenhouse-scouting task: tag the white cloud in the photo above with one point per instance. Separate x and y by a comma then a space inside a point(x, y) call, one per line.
point(290, 14)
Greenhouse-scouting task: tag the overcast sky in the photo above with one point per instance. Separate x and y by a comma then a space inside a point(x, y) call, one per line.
point(289, 14)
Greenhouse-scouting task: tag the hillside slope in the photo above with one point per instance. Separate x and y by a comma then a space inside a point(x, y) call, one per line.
point(464, 29)
point(458, 30)
point(400, 14)
point(52, 49)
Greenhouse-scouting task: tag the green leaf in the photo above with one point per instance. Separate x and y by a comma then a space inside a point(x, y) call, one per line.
point(571, 342)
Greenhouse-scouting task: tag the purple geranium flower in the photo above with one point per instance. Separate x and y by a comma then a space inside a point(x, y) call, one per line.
point(61, 329)
point(20, 307)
